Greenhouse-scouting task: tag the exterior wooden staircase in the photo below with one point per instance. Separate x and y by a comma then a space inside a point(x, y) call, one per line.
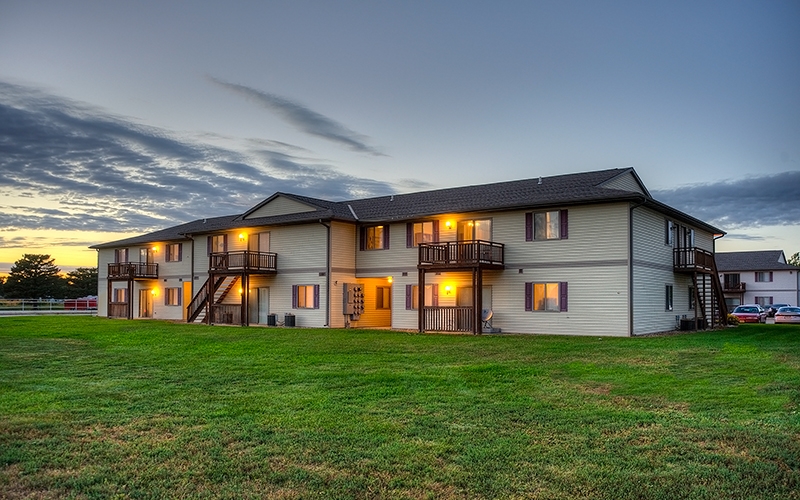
point(197, 308)
point(709, 298)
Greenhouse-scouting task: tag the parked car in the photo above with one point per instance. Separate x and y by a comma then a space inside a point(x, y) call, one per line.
point(751, 313)
point(788, 314)
point(773, 308)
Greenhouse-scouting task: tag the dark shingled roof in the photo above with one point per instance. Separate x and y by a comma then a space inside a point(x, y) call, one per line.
point(762, 260)
point(559, 190)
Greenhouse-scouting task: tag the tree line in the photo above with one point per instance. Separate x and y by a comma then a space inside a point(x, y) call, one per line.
point(36, 276)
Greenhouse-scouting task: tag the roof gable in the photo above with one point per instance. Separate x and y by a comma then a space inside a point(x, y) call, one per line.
point(280, 204)
point(627, 180)
point(761, 260)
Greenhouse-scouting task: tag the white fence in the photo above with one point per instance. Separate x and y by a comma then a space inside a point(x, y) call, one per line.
point(30, 307)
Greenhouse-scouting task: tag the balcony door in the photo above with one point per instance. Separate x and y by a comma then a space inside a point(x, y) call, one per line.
point(474, 229)
point(259, 242)
point(146, 255)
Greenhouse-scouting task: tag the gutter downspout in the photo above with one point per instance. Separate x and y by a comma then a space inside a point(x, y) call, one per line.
point(328, 277)
point(630, 267)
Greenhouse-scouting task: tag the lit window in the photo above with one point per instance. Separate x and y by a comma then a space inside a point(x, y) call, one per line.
point(174, 252)
point(546, 296)
point(306, 297)
point(172, 296)
point(375, 238)
point(383, 297)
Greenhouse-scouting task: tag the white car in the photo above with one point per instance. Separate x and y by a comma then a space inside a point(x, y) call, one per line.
point(788, 314)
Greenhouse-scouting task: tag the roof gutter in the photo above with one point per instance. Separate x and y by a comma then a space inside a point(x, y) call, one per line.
point(328, 276)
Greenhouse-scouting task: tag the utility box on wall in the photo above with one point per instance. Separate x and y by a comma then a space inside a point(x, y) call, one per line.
point(353, 300)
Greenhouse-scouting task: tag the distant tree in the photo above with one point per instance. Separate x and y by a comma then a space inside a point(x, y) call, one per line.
point(2, 286)
point(795, 259)
point(82, 282)
point(34, 276)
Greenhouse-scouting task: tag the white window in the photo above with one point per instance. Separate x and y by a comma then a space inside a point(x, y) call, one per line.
point(174, 252)
point(764, 301)
point(422, 232)
point(172, 296)
point(691, 298)
point(546, 225)
point(763, 276)
point(375, 238)
point(669, 232)
point(306, 297)
point(414, 296)
point(120, 255)
point(546, 296)
point(668, 298)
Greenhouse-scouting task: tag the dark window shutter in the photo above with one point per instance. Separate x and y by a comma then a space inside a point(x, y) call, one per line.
point(180, 296)
point(756, 276)
point(436, 231)
point(409, 291)
point(168, 247)
point(562, 289)
point(208, 244)
point(224, 242)
point(435, 293)
point(564, 225)
point(529, 227)
point(409, 234)
point(180, 252)
point(529, 296)
point(166, 296)
point(316, 296)
point(386, 237)
point(294, 296)
point(362, 236)
point(770, 279)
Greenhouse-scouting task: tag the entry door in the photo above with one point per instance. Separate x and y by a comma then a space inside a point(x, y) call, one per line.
point(259, 306)
point(145, 304)
point(263, 304)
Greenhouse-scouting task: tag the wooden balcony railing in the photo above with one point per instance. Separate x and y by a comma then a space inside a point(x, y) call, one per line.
point(133, 270)
point(449, 319)
point(118, 310)
point(455, 254)
point(693, 259)
point(734, 287)
point(226, 314)
point(243, 261)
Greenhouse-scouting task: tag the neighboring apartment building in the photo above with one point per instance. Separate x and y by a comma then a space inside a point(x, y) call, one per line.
point(758, 277)
point(581, 254)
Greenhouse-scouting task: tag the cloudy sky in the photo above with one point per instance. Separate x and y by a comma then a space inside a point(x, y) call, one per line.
point(118, 118)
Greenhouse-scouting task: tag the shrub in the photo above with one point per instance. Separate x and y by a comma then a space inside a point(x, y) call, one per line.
point(733, 320)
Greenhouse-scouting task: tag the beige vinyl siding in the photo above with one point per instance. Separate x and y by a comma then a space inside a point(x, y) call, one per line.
point(281, 205)
point(652, 271)
point(625, 182)
point(343, 268)
point(105, 256)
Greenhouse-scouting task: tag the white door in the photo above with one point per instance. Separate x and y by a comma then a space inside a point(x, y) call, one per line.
point(263, 304)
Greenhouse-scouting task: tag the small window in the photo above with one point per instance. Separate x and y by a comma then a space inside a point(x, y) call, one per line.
point(120, 255)
point(669, 232)
point(174, 252)
point(550, 225)
point(546, 296)
point(691, 298)
point(375, 238)
point(120, 295)
point(668, 298)
point(763, 276)
point(305, 297)
point(172, 296)
point(431, 296)
point(217, 243)
point(764, 301)
point(146, 255)
point(383, 297)
point(418, 233)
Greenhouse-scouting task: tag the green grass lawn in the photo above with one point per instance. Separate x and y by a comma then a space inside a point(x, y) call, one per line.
point(97, 408)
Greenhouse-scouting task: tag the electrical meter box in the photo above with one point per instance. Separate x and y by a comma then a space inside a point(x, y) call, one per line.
point(353, 300)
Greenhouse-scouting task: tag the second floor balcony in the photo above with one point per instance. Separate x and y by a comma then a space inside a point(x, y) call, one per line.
point(132, 270)
point(734, 287)
point(461, 255)
point(693, 259)
point(243, 261)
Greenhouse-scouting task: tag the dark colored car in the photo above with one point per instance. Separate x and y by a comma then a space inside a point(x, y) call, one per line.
point(773, 308)
point(750, 314)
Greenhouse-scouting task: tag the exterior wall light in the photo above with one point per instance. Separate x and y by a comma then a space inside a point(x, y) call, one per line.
point(242, 236)
point(448, 290)
point(389, 279)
